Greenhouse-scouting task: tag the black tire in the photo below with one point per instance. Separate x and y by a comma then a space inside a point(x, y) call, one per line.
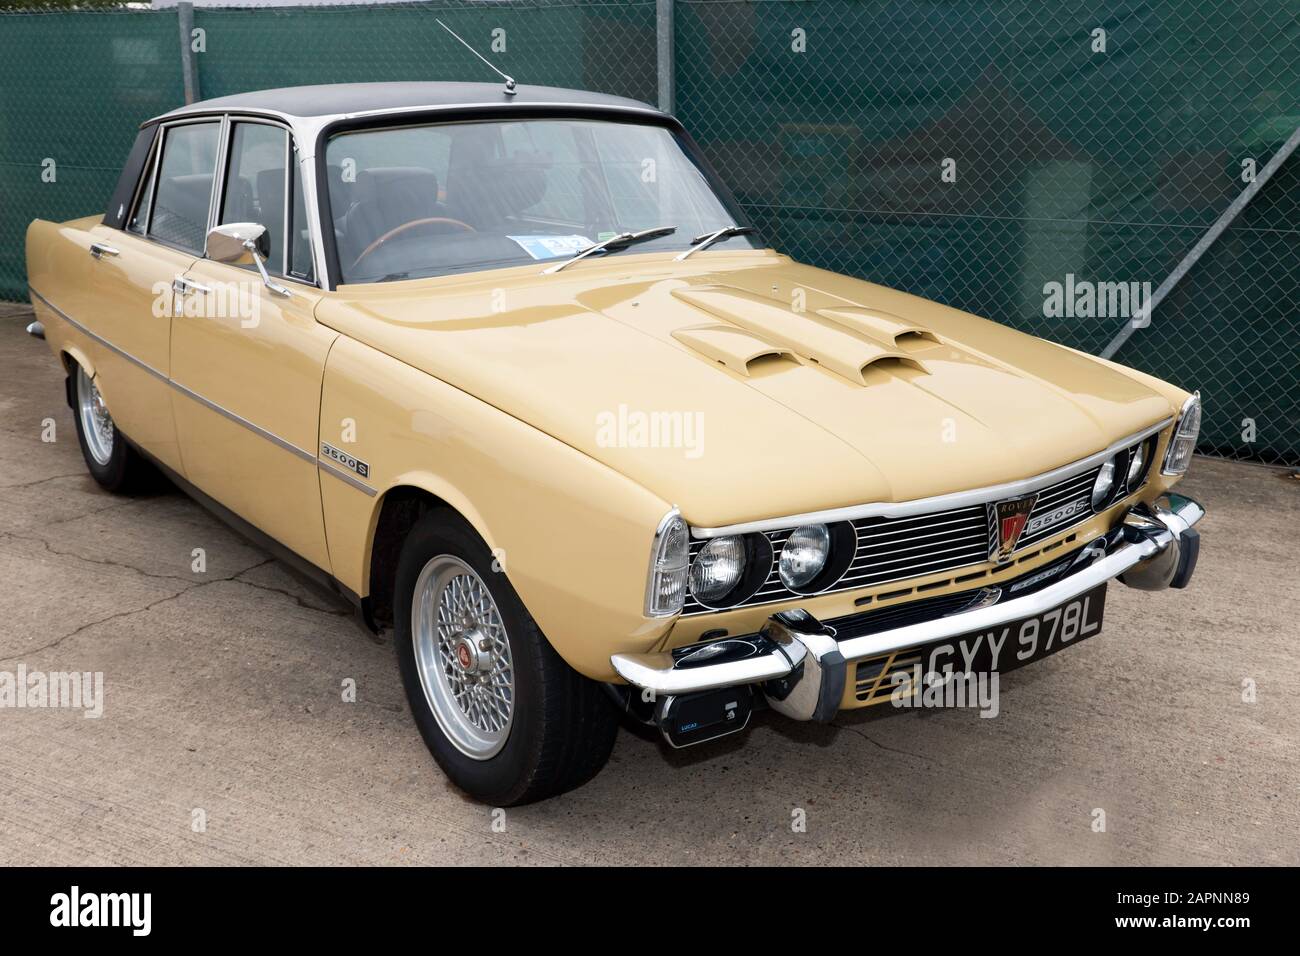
point(125, 471)
point(563, 725)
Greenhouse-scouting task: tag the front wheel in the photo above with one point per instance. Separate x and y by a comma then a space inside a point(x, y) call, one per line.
point(504, 716)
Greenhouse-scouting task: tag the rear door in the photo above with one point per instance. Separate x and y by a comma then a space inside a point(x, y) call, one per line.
point(247, 362)
point(132, 275)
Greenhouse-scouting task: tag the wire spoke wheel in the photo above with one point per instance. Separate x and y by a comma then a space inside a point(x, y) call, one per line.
point(462, 656)
point(96, 422)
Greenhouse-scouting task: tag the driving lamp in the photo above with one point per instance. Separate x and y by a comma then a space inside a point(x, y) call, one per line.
point(804, 555)
point(717, 568)
point(1104, 485)
point(1137, 466)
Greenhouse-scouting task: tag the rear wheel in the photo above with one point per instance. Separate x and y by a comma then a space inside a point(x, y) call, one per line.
point(113, 463)
point(504, 716)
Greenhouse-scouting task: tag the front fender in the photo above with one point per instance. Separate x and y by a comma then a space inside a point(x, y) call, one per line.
point(572, 535)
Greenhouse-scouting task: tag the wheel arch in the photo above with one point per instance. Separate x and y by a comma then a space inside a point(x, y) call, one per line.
point(396, 511)
point(71, 356)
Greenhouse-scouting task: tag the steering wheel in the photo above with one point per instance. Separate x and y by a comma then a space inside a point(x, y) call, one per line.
point(406, 227)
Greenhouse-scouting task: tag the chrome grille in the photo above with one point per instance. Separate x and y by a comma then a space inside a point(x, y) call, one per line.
point(896, 549)
point(1060, 497)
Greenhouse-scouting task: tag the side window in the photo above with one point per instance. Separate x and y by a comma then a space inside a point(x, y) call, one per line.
point(255, 183)
point(184, 189)
point(144, 197)
point(300, 260)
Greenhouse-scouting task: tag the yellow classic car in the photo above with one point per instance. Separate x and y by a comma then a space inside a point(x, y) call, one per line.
point(509, 370)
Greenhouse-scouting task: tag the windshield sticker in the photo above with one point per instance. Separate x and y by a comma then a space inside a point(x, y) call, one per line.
point(551, 247)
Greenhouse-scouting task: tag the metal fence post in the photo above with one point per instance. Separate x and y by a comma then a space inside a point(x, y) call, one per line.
point(664, 55)
point(189, 66)
point(1211, 236)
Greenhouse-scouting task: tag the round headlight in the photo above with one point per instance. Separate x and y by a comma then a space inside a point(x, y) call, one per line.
point(804, 555)
point(717, 569)
point(1104, 485)
point(1137, 465)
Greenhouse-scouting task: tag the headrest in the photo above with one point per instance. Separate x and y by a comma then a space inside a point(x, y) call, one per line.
point(388, 184)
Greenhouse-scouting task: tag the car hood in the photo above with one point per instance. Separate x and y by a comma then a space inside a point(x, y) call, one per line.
point(740, 386)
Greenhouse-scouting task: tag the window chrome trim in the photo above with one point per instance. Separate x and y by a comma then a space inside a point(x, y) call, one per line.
point(232, 120)
point(288, 198)
point(144, 188)
point(163, 132)
point(306, 132)
point(916, 506)
point(206, 402)
point(218, 195)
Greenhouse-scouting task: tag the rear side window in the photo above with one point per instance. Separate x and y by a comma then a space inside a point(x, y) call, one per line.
point(143, 202)
point(255, 185)
point(184, 189)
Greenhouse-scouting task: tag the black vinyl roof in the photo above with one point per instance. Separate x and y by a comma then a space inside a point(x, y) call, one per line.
point(342, 98)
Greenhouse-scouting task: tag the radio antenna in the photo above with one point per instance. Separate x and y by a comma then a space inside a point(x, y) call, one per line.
point(510, 82)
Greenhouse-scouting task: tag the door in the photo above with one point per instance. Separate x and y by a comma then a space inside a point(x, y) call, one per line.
point(247, 361)
point(132, 274)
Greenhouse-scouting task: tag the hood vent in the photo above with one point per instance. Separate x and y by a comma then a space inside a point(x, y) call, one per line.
point(735, 348)
point(884, 327)
point(838, 346)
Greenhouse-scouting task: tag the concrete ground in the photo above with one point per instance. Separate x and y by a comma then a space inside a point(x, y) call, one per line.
point(225, 738)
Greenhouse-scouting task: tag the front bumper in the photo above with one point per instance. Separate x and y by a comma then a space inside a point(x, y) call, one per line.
point(801, 664)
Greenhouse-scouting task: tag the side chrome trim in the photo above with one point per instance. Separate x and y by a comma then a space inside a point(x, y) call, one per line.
point(208, 403)
point(343, 476)
point(99, 338)
point(959, 499)
point(240, 420)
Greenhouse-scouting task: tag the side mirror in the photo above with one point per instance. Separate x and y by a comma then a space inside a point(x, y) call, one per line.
point(234, 240)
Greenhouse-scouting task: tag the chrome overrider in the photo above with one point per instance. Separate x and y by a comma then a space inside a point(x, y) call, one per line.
point(802, 667)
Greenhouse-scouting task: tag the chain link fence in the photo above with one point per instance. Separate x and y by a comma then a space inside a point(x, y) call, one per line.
point(76, 83)
point(1029, 162)
point(1045, 164)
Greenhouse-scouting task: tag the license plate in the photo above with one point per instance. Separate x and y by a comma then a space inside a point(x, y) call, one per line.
point(1008, 646)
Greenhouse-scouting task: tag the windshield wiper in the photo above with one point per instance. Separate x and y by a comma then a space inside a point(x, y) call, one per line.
point(709, 238)
point(614, 244)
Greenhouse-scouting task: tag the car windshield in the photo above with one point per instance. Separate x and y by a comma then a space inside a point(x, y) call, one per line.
point(432, 200)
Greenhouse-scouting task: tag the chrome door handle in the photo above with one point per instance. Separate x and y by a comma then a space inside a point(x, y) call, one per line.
point(99, 250)
point(181, 285)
